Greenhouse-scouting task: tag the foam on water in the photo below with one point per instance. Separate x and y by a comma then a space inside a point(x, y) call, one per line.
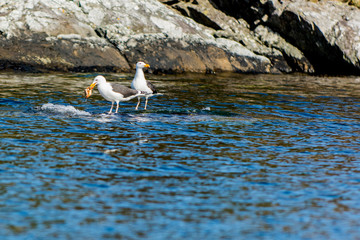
point(62, 109)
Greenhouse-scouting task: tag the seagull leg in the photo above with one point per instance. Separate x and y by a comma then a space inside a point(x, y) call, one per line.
point(117, 107)
point(137, 106)
point(112, 104)
point(146, 102)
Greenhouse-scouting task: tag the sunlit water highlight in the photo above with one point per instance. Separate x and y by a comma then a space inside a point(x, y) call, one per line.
point(215, 157)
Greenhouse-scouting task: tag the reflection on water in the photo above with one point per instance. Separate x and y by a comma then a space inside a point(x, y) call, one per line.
point(256, 156)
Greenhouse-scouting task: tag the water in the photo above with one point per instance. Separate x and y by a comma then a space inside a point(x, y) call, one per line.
point(215, 157)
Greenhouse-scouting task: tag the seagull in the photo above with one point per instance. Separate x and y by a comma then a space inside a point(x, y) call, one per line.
point(139, 83)
point(113, 92)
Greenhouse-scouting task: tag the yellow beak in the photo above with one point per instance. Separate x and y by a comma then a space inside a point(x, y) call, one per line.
point(92, 86)
point(147, 65)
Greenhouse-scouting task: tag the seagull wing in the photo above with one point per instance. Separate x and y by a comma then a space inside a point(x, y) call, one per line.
point(151, 86)
point(125, 91)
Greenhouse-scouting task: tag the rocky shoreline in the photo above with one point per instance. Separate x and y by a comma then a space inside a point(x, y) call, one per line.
point(175, 36)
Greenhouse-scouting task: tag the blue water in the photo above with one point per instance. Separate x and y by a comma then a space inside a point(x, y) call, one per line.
point(214, 157)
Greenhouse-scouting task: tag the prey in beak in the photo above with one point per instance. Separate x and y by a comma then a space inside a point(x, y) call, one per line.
point(88, 90)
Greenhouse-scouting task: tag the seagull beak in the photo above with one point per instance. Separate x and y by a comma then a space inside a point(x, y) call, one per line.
point(147, 65)
point(92, 85)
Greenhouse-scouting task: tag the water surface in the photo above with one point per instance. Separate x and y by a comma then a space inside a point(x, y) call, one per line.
point(215, 157)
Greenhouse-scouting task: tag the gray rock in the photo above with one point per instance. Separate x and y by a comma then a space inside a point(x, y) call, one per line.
point(293, 57)
point(170, 42)
point(112, 35)
point(262, 36)
point(262, 41)
point(53, 35)
point(326, 32)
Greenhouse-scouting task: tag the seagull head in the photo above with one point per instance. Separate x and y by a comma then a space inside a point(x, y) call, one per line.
point(142, 65)
point(97, 80)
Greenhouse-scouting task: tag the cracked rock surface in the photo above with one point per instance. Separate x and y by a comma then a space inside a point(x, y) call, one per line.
point(259, 36)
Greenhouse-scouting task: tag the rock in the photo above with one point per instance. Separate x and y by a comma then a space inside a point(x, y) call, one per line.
point(326, 33)
point(53, 35)
point(258, 36)
point(41, 53)
point(110, 35)
point(172, 43)
point(283, 56)
point(288, 54)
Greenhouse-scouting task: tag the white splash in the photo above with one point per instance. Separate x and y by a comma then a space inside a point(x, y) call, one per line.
point(62, 109)
point(105, 118)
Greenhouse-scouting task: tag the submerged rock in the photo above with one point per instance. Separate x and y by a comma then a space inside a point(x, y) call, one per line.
point(257, 36)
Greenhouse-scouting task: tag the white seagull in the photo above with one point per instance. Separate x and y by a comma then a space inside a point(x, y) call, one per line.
point(113, 92)
point(139, 83)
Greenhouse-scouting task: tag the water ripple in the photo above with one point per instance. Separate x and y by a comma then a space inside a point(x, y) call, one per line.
point(269, 157)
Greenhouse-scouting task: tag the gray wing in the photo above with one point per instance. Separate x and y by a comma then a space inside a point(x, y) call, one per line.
point(125, 91)
point(151, 86)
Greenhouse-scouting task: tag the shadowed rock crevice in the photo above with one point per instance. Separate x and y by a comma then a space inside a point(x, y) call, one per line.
point(283, 56)
point(313, 28)
point(325, 58)
point(202, 19)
